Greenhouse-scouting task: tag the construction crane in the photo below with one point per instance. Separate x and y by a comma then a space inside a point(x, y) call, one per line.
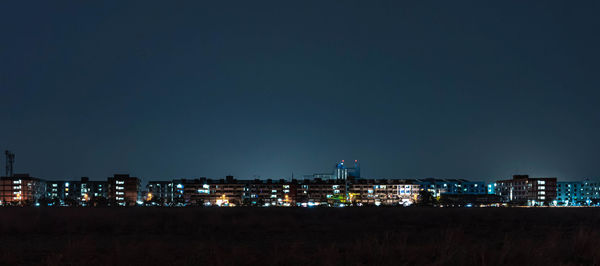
point(10, 161)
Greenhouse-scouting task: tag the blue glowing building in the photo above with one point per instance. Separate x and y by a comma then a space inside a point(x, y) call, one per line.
point(578, 193)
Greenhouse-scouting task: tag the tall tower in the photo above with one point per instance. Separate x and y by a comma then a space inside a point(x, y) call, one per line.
point(10, 161)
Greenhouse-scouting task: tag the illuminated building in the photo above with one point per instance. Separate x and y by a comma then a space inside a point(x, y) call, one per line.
point(123, 190)
point(271, 192)
point(86, 191)
point(21, 189)
point(383, 192)
point(321, 192)
point(437, 187)
point(57, 191)
point(343, 172)
point(522, 190)
point(204, 191)
point(578, 193)
point(491, 188)
point(162, 192)
point(75, 192)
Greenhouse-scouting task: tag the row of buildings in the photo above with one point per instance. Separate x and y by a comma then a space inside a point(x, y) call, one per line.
point(23, 189)
point(341, 190)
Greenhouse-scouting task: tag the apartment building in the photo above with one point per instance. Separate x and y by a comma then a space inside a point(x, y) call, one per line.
point(321, 192)
point(383, 192)
point(437, 187)
point(524, 190)
point(578, 193)
point(208, 192)
point(123, 190)
point(21, 189)
point(160, 192)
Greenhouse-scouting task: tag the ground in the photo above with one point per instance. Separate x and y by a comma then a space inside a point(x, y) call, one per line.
point(299, 236)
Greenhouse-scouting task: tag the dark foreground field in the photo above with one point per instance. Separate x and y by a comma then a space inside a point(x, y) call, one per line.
point(268, 236)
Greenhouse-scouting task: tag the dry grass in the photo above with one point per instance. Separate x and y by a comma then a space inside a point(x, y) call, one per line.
point(272, 236)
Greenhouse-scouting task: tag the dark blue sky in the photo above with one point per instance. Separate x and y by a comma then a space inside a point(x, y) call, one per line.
point(263, 88)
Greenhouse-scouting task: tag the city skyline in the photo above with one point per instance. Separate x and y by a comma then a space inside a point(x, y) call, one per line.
point(344, 190)
point(331, 174)
point(311, 132)
point(454, 90)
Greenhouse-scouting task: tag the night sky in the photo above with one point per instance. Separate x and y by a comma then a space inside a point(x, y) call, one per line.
point(253, 89)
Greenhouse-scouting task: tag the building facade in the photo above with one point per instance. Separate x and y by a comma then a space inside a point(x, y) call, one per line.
point(523, 190)
point(21, 190)
point(437, 187)
point(383, 192)
point(578, 193)
point(160, 192)
point(123, 190)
